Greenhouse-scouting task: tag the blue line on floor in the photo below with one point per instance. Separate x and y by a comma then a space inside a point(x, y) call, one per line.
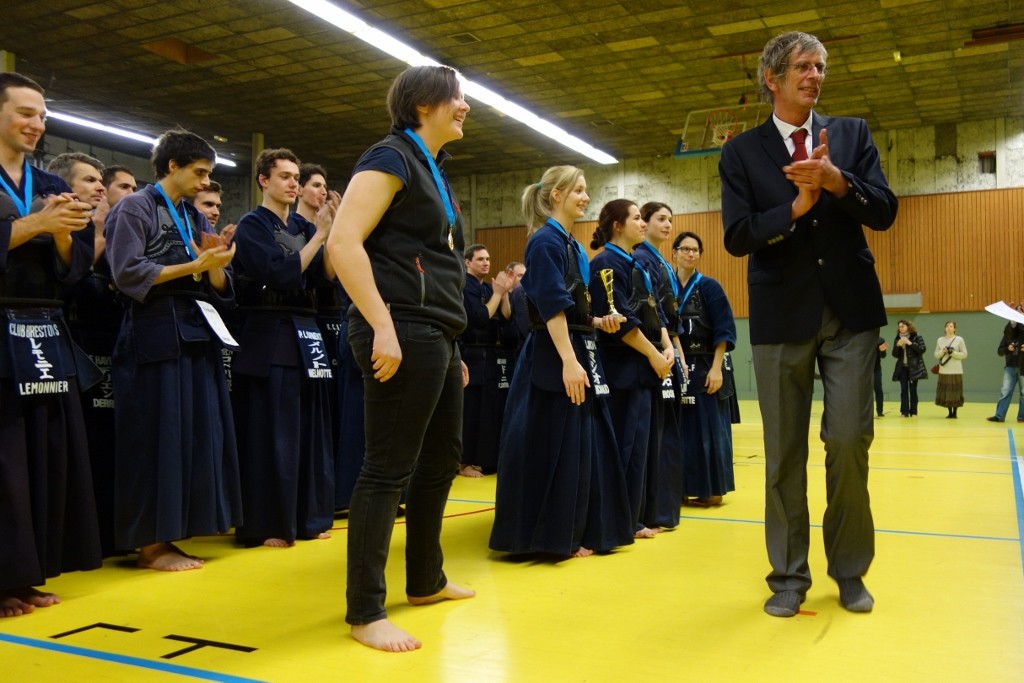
point(935, 470)
point(937, 534)
point(1018, 493)
point(162, 667)
point(970, 537)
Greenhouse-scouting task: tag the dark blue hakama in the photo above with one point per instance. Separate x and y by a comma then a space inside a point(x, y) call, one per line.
point(282, 413)
point(560, 483)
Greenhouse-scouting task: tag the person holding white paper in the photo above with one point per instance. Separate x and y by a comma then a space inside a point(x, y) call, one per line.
point(175, 462)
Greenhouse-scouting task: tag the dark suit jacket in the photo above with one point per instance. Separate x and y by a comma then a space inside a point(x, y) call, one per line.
point(796, 269)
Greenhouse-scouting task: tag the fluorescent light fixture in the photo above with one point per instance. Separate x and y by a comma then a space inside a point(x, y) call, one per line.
point(399, 50)
point(86, 123)
point(114, 130)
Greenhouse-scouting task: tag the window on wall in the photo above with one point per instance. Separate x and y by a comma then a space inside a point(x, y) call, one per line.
point(986, 162)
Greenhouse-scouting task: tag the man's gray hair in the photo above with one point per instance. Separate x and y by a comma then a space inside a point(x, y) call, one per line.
point(63, 165)
point(776, 53)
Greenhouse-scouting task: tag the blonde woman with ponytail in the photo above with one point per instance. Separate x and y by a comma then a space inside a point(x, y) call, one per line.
point(560, 487)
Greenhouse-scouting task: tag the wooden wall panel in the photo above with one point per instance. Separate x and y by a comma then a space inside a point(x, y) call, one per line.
point(962, 251)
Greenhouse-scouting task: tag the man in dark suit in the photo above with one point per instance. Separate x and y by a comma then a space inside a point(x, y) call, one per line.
point(796, 206)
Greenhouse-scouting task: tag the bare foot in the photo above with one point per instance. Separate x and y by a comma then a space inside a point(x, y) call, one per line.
point(278, 543)
point(449, 592)
point(166, 557)
point(646, 532)
point(36, 598)
point(583, 552)
point(322, 536)
point(703, 502)
point(471, 471)
point(181, 552)
point(383, 635)
point(12, 606)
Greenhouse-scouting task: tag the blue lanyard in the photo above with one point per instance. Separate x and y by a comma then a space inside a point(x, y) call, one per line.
point(694, 279)
point(442, 189)
point(668, 269)
point(184, 230)
point(581, 256)
point(618, 250)
point(22, 204)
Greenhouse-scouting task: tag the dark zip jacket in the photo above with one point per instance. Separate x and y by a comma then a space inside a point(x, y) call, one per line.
point(418, 274)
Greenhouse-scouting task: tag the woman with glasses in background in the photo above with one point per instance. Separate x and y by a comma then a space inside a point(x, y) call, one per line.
point(707, 332)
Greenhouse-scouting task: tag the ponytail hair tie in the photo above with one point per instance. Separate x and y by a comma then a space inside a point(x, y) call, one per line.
point(539, 185)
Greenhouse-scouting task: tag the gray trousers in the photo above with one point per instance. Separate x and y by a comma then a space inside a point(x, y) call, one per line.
point(785, 384)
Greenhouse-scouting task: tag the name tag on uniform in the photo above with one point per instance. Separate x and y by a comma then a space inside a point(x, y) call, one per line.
point(103, 392)
point(596, 380)
point(314, 353)
point(34, 340)
point(685, 396)
point(668, 390)
point(503, 379)
point(227, 356)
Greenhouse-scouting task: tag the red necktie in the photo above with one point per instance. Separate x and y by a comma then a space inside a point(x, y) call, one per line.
point(800, 149)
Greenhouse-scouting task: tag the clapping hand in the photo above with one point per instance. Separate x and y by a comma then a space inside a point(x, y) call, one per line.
point(501, 283)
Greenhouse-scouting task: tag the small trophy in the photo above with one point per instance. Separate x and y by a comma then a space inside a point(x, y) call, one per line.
point(608, 277)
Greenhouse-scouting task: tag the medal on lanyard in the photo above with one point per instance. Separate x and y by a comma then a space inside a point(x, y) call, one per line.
point(442, 189)
point(23, 204)
point(185, 230)
point(647, 278)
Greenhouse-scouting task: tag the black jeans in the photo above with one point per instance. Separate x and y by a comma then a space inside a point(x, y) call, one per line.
point(878, 391)
point(413, 438)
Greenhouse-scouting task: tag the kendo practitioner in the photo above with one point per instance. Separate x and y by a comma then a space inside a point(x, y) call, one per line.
point(561, 489)
point(664, 481)
point(639, 356)
point(47, 511)
point(175, 463)
point(282, 370)
point(484, 352)
point(94, 317)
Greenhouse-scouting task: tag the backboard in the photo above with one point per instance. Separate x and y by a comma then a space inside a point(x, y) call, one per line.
point(706, 130)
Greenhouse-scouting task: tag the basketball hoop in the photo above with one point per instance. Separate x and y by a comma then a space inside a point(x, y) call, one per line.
point(723, 124)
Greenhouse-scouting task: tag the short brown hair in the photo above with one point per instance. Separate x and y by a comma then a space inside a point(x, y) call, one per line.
point(420, 85)
point(307, 171)
point(183, 148)
point(110, 172)
point(10, 79)
point(471, 250)
point(268, 157)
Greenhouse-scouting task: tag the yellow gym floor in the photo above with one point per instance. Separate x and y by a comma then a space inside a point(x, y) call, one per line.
point(684, 606)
